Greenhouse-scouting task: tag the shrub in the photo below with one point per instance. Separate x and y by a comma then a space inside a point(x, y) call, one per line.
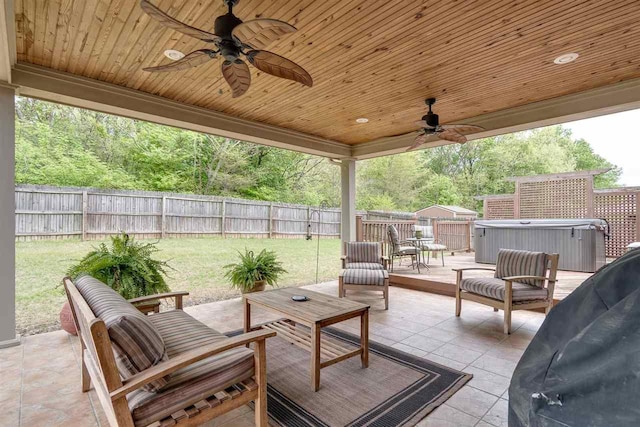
point(252, 268)
point(126, 266)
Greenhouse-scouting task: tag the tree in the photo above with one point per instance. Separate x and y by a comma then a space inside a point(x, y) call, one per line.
point(60, 145)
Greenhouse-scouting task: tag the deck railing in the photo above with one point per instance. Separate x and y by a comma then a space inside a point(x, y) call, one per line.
point(376, 230)
point(454, 234)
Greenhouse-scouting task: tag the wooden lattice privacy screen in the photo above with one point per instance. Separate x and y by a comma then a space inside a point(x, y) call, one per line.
point(571, 195)
point(620, 209)
point(558, 198)
point(498, 207)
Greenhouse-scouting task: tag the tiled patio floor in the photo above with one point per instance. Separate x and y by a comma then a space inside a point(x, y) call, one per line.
point(41, 378)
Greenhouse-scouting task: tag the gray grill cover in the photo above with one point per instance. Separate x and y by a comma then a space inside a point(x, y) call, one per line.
point(585, 356)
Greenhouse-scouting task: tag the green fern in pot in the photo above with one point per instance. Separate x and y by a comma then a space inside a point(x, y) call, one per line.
point(253, 272)
point(126, 266)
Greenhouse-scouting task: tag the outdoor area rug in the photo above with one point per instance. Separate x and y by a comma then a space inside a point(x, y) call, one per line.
point(397, 389)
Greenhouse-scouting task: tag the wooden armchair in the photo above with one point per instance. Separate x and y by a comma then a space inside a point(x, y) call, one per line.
point(523, 280)
point(364, 269)
point(128, 402)
point(364, 255)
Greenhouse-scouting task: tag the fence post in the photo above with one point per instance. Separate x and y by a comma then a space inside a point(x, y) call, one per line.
point(223, 222)
point(84, 215)
point(163, 217)
point(359, 228)
point(270, 220)
point(434, 224)
point(468, 228)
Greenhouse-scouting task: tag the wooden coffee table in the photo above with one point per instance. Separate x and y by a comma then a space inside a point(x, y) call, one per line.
point(321, 310)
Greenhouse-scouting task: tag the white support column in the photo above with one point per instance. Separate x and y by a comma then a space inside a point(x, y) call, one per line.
point(348, 231)
point(8, 335)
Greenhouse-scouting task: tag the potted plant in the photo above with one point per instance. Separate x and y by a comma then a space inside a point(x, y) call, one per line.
point(253, 272)
point(126, 266)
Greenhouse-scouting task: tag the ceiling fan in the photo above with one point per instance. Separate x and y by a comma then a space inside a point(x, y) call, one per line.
point(431, 126)
point(233, 39)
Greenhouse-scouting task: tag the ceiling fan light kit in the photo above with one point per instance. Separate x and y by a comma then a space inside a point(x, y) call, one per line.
point(233, 39)
point(174, 55)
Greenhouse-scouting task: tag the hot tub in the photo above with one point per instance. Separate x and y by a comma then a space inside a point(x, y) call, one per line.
point(580, 242)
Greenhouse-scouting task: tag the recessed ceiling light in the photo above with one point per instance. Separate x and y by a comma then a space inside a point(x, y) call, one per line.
point(566, 58)
point(174, 55)
point(362, 120)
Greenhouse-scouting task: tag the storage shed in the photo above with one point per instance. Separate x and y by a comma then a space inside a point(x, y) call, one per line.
point(447, 211)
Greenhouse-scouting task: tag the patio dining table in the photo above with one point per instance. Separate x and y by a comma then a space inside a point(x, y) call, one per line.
point(419, 244)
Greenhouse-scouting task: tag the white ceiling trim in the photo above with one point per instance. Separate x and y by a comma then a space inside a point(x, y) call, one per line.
point(64, 88)
point(601, 101)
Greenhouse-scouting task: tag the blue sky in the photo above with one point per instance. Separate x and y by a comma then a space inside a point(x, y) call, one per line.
point(616, 138)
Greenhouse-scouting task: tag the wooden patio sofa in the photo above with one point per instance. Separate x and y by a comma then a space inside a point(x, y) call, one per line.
point(522, 280)
point(200, 374)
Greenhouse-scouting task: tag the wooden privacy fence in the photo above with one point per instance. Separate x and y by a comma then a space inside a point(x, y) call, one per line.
point(50, 212)
point(572, 195)
point(455, 234)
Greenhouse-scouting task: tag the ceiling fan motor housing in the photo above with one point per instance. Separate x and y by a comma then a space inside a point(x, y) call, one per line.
point(431, 119)
point(223, 27)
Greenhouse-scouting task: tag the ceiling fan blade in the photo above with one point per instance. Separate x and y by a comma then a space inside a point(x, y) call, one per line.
point(259, 33)
point(279, 66)
point(174, 24)
point(463, 128)
point(238, 76)
point(420, 140)
point(193, 59)
point(452, 135)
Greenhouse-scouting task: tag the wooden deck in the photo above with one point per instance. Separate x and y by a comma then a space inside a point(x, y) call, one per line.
point(442, 280)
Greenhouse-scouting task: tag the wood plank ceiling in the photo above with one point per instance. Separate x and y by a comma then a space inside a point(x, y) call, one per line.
point(369, 58)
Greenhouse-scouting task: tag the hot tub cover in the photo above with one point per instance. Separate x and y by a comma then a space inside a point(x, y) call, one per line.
point(583, 366)
point(542, 223)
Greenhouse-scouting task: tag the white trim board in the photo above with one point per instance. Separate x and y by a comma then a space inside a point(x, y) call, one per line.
point(64, 88)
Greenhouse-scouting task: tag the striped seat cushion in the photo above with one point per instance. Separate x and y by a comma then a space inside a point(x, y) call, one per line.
point(434, 247)
point(364, 277)
point(408, 250)
point(136, 343)
point(394, 237)
point(195, 382)
point(521, 263)
point(363, 252)
point(365, 265)
point(492, 287)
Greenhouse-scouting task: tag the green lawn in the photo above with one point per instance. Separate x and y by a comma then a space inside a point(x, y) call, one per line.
point(40, 266)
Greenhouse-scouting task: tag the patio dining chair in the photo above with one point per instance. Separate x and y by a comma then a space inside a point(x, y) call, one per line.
point(427, 232)
point(401, 248)
point(522, 280)
point(428, 242)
